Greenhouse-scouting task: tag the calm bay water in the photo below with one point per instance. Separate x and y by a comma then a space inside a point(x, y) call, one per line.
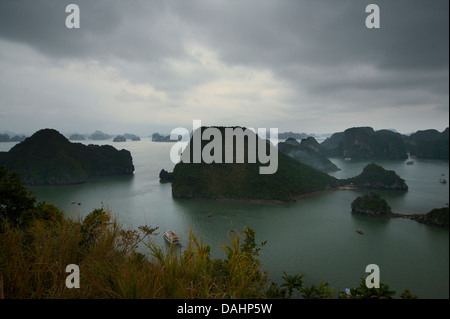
point(316, 235)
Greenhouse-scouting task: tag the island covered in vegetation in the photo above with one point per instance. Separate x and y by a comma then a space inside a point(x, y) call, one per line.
point(49, 158)
point(372, 204)
point(437, 217)
point(243, 180)
point(429, 144)
point(366, 143)
point(374, 176)
point(156, 137)
point(15, 138)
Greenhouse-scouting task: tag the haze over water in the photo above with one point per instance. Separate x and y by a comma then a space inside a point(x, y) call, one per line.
point(316, 235)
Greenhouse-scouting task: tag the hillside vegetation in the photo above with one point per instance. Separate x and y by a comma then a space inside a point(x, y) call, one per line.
point(371, 204)
point(365, 142)
point(429, 144)
point(49, 158)
point(244, 181)
point(307, 152)
point(374, 176)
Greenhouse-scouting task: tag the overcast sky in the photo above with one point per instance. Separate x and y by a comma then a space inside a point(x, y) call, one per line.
point(151, 66)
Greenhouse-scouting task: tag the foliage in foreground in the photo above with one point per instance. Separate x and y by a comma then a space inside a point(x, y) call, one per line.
point(112, 265)
point(33, 261)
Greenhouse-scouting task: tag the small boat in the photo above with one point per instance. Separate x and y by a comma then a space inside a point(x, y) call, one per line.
point(442, 180)
point(359, 231)
point(348, 158)
point(171, 237)
point(410, 163)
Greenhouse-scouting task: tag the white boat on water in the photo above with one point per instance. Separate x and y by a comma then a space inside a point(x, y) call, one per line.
point(171, 237)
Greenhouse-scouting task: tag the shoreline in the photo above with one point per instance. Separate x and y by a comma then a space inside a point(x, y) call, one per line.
point(265, 201)
point(419, 217)
point(272, 201)
point(422, 218)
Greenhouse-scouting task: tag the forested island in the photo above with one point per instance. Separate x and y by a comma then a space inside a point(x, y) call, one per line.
point(243, 180)
point(372, 204)
point(49, 158)
point(437, 217)
point(429, 144)
point(156, 137)
point(99, 136)
point(132, 137)
point(14, 138)
point(119, 138)
point(366, 143)
point(374, 176)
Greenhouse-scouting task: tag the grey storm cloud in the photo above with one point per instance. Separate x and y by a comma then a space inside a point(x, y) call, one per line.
point(318, 56)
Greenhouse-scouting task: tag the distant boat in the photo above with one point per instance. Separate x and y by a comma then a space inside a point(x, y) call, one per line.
point(410, 163)
point(171, 237)
point(442, 180)
point(359, 231)
point(348, 158)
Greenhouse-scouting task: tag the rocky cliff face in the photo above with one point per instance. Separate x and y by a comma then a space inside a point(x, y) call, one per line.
point(308, 152)
point(429, 144)
point(332, 146)
point(364, 142)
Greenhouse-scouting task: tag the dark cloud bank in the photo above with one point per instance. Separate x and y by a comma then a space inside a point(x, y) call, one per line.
point(321, 67)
